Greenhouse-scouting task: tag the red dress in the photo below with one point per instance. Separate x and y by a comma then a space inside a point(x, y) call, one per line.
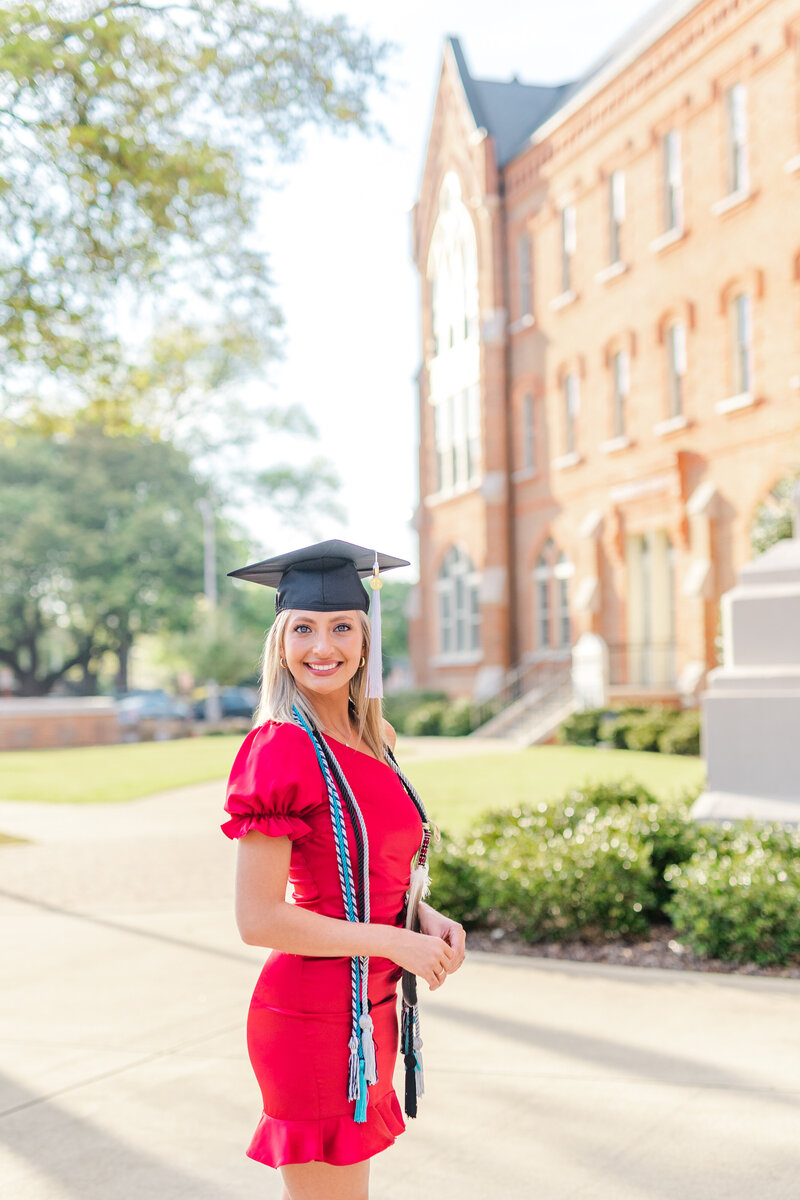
point(298, 1025)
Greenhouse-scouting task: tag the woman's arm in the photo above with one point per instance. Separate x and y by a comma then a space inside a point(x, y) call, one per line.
point(264, 918)
point(435, 924)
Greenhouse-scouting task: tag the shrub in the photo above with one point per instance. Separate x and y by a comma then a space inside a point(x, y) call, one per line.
point(582, 728)
point(457, 719)
point(426, 719)
point(455, 886)
point(591, 879)
point(738, 896)
point(642, 731)
point(398, 705)
point(682, 734)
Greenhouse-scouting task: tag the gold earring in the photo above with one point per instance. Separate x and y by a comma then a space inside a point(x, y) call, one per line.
point(363, 660)
point(283, 662)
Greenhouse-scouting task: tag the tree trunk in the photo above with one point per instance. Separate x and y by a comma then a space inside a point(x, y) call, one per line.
point(123, 651)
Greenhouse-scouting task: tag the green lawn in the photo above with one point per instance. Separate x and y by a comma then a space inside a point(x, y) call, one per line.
point(456, 789)
point(96, 773)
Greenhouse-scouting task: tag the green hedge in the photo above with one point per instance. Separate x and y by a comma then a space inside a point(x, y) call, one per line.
point(671, 731)
point(606, 861)
point(738, 896)
point(430, 714)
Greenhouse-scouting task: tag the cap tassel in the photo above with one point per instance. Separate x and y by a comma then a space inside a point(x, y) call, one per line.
point(375, 660)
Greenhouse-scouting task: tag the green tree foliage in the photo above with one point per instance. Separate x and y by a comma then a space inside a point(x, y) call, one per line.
point(773, 519)
point(102, 541)
point(394, 623)
point(135, 140)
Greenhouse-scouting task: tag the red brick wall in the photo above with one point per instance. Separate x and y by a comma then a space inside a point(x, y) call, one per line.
point(678, 82)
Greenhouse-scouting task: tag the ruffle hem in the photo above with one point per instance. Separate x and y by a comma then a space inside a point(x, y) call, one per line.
point(336, 1140)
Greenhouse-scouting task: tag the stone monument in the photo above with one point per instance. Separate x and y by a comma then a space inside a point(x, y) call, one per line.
point(751, 710)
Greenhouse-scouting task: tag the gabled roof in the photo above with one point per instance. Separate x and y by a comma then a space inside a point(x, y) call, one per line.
point(511, 111)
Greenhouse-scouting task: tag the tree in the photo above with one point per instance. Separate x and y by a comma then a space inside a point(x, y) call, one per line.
point(135, 139)
point(774, 518)
point(102, 541)
point(394, 623)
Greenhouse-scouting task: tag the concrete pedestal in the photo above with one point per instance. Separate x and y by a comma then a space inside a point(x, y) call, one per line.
point(751, 727)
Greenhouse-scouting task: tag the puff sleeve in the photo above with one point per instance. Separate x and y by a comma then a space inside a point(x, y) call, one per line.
point(266, 789)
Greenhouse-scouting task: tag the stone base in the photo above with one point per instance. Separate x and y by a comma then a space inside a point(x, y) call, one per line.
point(729, 806)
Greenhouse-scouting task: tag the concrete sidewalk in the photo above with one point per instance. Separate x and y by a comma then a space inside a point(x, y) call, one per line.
point(123, 1070)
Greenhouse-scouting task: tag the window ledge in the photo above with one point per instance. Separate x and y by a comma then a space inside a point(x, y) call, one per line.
point(563, 300)
point(524, 474)
point(670, 238)
point(611, 271)
point(792, 165)
point(730, 202)
point(671, 425)
point(794, 382)
point(566, 461)
point(736, 403)
point(524, 322)
point(614, 445)
point(468, 658)
point(452, 493)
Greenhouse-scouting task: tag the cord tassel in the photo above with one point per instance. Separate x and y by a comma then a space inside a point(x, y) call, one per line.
point(368, 1047)
point(353, 1087)
point(419, 1074)
point(360, 1115)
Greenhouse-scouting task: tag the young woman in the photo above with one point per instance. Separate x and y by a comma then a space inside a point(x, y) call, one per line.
point(316, 800)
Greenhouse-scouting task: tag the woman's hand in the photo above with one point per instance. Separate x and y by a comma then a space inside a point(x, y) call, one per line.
point(437, 925)
point(422, 954)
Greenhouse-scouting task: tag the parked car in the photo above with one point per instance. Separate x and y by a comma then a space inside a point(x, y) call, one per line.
point(153, 716)
point(233, 702)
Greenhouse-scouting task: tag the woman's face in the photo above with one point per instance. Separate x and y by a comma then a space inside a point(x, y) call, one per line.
point(323, 650)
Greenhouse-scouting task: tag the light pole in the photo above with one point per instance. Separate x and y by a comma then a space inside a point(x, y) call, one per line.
point(213, 710)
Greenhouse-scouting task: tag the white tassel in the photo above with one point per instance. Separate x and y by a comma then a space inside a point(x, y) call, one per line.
point(368, 1046)
point(375, 660)
point(353, 1082)
point(418, 889)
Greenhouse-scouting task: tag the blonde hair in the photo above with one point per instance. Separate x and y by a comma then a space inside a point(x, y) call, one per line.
point(279, 692)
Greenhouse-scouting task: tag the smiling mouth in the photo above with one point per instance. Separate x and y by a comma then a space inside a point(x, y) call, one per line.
point(322, 668)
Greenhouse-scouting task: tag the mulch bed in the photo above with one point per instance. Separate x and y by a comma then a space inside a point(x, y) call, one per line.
point(660, 949)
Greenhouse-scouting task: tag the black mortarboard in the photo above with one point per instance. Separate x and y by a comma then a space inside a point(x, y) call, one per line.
point(325, 577)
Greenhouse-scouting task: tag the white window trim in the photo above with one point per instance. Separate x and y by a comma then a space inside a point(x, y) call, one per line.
point(565, 461)
point(562, 300)
point(523, 474)
point(736, 100)
point(735, 403)
point(731, 201)
point(665, 240)
point(442, 497)
point(615, 444)
point(611, 271)
point(467, 658)
point(670, 425)
point(792, 164)
point(524, 322)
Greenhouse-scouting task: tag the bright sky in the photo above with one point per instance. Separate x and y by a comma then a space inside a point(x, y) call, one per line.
point(338, 235)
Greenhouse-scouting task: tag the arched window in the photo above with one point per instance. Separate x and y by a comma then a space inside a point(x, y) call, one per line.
point(551, 577)
point(459, 609)
point(453, 270)
point(455, 369)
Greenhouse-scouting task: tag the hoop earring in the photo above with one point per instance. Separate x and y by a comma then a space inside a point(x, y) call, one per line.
point(283, 663)
point(363, 660)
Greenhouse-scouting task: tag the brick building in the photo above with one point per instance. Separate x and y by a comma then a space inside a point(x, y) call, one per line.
point(610, 384)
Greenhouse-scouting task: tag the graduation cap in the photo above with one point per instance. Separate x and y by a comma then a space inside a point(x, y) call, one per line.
point(326, 577)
